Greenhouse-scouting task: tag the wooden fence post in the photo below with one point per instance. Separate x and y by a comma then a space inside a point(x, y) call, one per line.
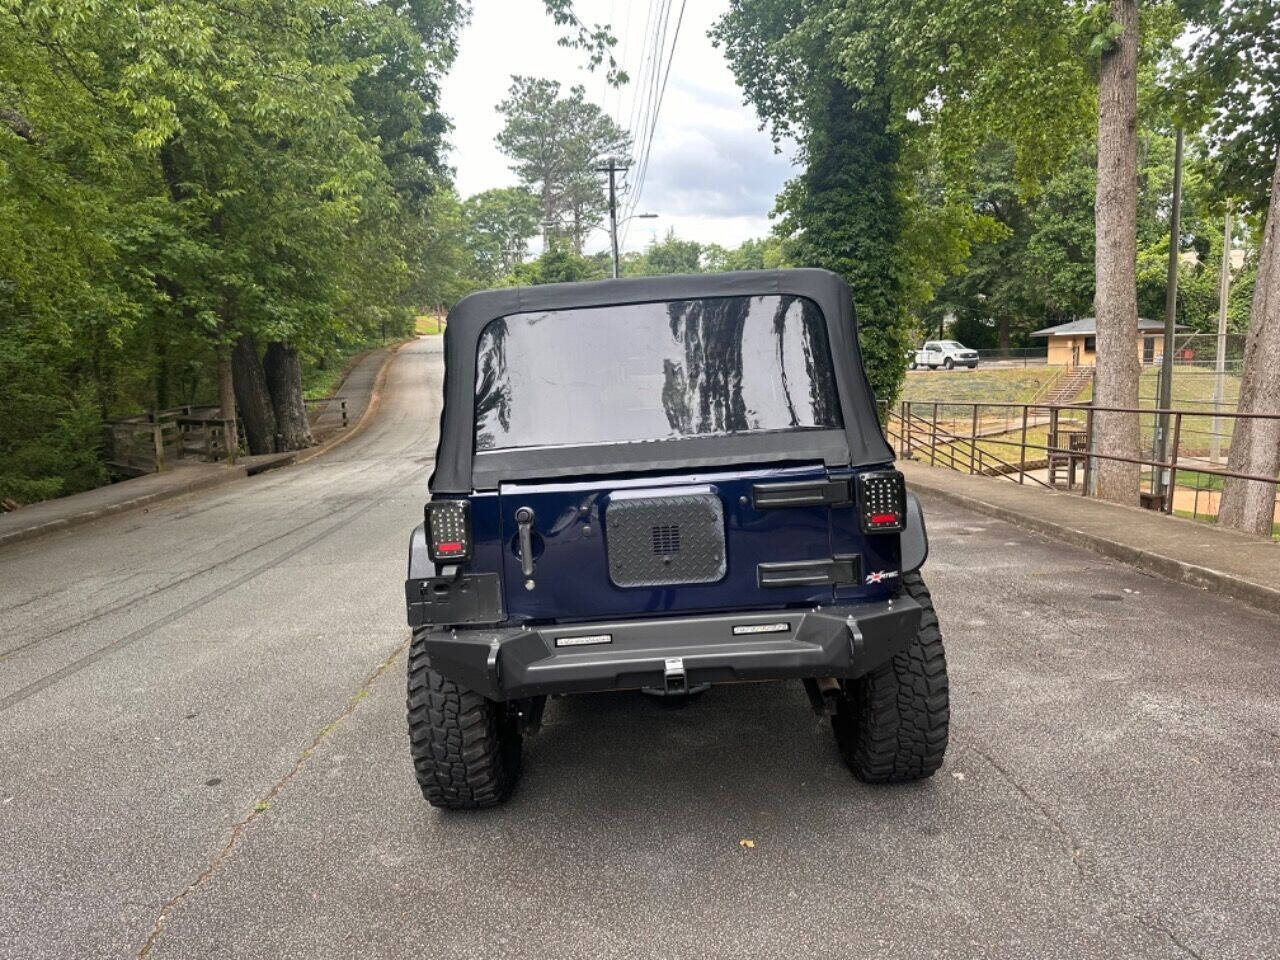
point(157, 439)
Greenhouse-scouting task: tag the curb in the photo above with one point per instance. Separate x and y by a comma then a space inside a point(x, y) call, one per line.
point(216, 480)
point(64, 523)
point(1179, 571)
point(371, 408)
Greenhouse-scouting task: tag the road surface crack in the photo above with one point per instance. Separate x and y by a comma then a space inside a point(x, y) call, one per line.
point(263, 804)
point(1076, 847)
point(1150, 922)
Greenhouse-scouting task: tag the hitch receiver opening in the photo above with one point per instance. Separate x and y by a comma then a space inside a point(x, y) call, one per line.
point(673, 676)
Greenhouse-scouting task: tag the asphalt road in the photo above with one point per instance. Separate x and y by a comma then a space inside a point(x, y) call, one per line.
point(202, 754)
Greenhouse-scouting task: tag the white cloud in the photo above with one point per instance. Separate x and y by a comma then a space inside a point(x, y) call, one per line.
point(712, 174)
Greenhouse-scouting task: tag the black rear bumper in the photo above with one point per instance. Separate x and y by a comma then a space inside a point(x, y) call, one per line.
point(836, 641)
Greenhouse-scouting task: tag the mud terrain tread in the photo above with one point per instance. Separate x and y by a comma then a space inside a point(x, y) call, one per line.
point(894, 724)
point(466, 752)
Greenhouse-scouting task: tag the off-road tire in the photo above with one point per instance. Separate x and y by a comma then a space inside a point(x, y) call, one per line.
point(891, 725)
point(465, 747)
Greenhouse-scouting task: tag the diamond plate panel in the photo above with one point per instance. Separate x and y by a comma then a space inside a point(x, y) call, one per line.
point(657, 541)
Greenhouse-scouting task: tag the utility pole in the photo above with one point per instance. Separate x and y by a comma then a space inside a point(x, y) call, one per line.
point(613, 169)
point(1220, 360)
point(1162, 452)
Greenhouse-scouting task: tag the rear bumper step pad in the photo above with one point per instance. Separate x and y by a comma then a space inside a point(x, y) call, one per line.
point(836, 641)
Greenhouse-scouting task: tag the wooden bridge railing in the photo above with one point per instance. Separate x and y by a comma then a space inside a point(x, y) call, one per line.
point(149, 442)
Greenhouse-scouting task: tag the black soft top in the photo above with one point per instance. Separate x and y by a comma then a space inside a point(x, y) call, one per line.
point(460, 471)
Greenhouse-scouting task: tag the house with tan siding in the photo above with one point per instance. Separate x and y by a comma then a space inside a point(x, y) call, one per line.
point(1075, 344)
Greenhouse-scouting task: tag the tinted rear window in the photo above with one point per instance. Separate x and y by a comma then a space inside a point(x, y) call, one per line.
point(654, 371)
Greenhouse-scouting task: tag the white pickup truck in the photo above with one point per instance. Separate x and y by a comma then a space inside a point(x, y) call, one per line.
point(944, 353)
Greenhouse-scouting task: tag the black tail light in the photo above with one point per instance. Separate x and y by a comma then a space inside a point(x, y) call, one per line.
point(882, 501)
point(449, 530)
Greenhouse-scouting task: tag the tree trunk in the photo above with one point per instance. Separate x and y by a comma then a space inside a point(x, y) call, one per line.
point(257, 416)
point(227, 402)
point(160, 351)
point(1255, 444)
point(1116, 291)
point(1005, 323)
point(284, 379)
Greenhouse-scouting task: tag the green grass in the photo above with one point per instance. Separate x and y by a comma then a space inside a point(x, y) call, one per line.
point(428, 326)
point(1016, 385)
point(1195, 480)
point(322, 380)
point(1192, 392)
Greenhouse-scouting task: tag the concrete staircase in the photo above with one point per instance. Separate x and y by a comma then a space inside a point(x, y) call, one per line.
point(1069, 386)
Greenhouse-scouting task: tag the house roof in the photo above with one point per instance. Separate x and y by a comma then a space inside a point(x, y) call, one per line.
point(1088, 326)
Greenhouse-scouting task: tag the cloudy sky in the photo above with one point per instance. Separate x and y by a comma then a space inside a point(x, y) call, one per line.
point(712, 175)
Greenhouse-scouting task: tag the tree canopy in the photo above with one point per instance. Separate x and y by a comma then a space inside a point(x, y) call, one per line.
point(556, 141)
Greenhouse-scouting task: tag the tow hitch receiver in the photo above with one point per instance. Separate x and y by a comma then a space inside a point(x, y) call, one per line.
point(674, 678)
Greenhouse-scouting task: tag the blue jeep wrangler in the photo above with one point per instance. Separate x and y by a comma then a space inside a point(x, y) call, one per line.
point(664, 483)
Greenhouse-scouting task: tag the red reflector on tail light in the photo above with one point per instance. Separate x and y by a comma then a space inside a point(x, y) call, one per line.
point(882, 501)
point(449, 530)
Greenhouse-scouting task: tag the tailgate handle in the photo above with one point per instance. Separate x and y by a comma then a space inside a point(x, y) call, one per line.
point(524, 523)
point(801, 493)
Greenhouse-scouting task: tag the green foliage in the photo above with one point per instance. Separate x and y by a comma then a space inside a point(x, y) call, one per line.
point(560, 264)
point(845, 213)
point(174, 173)
point(556, 142)
point(760, 254)
point(597, 40)
point(667, 256)
point(1231, 81)
point(499, 224)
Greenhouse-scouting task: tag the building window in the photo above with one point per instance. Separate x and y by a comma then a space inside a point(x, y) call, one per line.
point(1090, 344)
point(1148, 349)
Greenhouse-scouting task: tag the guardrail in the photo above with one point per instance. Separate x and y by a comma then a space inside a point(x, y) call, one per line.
point(1052, 445)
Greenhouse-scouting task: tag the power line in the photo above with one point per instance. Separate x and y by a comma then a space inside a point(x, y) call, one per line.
point(656, 97)
point(644, 65)
point(657, 110)
point(653, 74)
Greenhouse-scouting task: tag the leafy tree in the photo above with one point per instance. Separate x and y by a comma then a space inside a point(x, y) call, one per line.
point(994, 290)
point(667, 256)
point(1233, 78)
point(499, 224)
point(559, 263)
point(556, 143)
point(759, 254)
point(890, 141)
point(181, 177)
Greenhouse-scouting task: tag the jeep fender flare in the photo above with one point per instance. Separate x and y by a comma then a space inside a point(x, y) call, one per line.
point(914, 538)
point(420, 563)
